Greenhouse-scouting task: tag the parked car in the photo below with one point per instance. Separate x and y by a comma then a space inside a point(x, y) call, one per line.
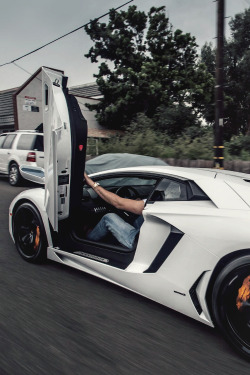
point(119, 160)
point(24, 147)
point(193, 249)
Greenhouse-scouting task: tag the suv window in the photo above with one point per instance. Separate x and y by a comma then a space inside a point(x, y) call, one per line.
point(39, 143)
point(9, 140)
point(2, 138)
point(30, 142)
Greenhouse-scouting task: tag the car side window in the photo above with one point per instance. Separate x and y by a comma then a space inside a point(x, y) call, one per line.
point(174, 190)
point(30, 142)
point(2, 138)
point(26, 142)
point(126, 186)
point(170, 190)
point(38, 146)
point(9, 141)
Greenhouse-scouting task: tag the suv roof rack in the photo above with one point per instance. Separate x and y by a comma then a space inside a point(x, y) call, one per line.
point(27, 131)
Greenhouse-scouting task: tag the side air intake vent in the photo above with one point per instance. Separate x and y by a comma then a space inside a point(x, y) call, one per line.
point(194, 296)
point(166, 249)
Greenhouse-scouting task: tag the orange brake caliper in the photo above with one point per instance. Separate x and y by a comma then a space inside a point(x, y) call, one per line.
point(37, 239)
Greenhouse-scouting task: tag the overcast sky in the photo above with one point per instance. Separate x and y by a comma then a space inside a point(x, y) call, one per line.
point(28, 24)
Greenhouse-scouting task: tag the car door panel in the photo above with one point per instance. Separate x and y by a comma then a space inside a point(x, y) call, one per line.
point(64, 159)
point(56, 136)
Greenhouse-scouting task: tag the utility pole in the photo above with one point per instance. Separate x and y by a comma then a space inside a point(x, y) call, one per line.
point(219, 88)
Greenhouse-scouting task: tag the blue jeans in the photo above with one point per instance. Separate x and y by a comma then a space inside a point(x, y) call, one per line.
point(119, 228)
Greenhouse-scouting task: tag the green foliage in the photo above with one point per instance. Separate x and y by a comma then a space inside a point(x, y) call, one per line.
point(237, 75)
point(238, 148)
point(146, 65)
point(208, 57)
point(195, 143)
point(149, 142)
point(175, 119)
point(141, 138)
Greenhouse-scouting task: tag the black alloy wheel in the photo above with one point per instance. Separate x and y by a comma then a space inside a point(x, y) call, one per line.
point(231, 304)
point(15, 177)
point(29, 233)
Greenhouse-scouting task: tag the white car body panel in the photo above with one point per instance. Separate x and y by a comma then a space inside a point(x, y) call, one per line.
point(146, 284)
point(222, 194)
point(189, 219)
point(240, 189)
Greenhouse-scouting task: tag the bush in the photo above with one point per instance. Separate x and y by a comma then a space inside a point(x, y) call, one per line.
point(200, 147)
point(141, 138)
point(238, 148)
point(146, 142)
point(195, 143)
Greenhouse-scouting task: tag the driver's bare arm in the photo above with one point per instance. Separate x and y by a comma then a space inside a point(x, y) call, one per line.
point(130, 205)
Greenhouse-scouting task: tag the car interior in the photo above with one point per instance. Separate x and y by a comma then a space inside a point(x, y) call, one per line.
point(150, 188)
point(93, 207)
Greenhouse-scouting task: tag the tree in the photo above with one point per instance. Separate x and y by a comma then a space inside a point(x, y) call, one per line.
point(175, 119)
point(208, 57)
point(237, 75)
point(146, 65)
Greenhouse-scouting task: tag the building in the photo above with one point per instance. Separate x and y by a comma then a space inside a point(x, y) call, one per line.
point(21, 108)
point(7, 121)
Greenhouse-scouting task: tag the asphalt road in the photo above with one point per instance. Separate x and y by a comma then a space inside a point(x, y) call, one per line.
point(56, 320)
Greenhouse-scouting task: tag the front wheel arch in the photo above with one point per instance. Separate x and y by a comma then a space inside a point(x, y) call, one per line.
point(223, 262)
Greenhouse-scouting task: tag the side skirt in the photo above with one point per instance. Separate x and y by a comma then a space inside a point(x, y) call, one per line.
point(113, 255)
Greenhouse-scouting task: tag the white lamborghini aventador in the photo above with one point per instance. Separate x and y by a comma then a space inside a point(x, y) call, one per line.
point(193, 249)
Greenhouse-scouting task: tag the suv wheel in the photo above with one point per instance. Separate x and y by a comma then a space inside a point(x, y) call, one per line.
point(14, 175)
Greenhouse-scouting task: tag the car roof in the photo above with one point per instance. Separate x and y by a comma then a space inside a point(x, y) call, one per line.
point(189, 173)
point(23, 131)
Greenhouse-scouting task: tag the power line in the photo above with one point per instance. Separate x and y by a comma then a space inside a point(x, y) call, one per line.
point(63, 36)
point(26, 71)
point(18, 66)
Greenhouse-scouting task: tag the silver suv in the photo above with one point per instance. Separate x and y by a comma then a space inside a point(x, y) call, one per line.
point(22, 147)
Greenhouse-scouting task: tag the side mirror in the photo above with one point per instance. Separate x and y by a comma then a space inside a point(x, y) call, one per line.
point(34, 174)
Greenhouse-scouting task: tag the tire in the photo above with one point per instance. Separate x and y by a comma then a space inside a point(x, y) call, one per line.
point(232, 313)
point(27, 223)
point(15, 177)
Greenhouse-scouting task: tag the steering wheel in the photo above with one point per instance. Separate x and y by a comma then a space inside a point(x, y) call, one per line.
point(127, 192)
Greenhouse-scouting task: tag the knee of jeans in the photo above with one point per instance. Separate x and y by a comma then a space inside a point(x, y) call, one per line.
point(110, 217)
